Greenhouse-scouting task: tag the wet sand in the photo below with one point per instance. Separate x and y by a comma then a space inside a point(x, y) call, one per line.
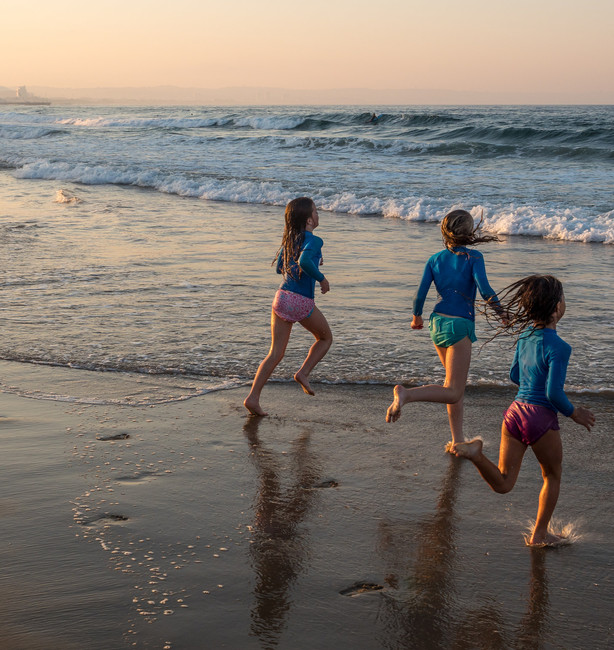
point(188, 525)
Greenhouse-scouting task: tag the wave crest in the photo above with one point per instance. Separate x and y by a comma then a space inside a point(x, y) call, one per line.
point(572, 224)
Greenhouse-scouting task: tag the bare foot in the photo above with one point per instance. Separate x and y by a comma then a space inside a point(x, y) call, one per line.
point(304, 382)
point(549, 539)
point(470, 450)
point(450, 447)
point(253, 406)
point(394, 410)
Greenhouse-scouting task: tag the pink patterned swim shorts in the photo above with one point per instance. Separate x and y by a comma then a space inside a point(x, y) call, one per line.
point(292, 307)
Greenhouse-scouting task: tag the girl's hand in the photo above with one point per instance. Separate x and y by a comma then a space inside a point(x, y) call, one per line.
point(324, 286)
point(417, 323)
point(583, 416)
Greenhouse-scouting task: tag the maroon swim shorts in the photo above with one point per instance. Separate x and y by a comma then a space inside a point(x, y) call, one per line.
point(529, 422)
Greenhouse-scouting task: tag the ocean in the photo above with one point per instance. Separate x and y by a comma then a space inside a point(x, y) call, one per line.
point(139, 239)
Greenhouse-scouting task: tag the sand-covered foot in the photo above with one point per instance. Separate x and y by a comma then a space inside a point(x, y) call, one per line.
point(394, 410)
point(253, 406)
point(450, 447)
point(470, 450)
point(549, 539)
point(304, 382)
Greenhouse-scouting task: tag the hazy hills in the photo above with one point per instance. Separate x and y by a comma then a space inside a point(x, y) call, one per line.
point(173, 95)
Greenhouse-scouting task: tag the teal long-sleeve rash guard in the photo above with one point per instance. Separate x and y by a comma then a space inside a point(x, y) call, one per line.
point(457, 275)
point(309, 259)
point(539, 369)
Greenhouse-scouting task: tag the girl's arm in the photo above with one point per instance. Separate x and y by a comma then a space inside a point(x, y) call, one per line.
point(515, 369)
point(583, 416)
point(481, 281)
point(558, 358)
point(420, 297)
point(309, 257)
point(280, 261)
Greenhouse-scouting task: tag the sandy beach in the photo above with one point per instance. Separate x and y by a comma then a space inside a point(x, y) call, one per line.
point(189, 525)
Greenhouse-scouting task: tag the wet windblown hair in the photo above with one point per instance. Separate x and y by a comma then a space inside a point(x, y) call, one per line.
point(457, 229)
point(529, 302)
point(297, 213)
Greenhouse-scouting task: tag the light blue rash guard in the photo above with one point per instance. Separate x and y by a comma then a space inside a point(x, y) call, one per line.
point(539, 368)
point(306, 272)
point(456, 279)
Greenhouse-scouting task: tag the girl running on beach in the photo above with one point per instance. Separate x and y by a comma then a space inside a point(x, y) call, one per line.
point(457, 273)
point(298, 260)
point(533, 307)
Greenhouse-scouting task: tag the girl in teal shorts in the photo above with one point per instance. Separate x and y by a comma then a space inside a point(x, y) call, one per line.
point(458, 273)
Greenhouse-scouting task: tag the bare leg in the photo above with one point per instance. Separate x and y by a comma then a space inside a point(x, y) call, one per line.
point(456, 360)
point(549, 452)
point(511, 452)
point(280, 334)
point(318, 326)
point(455, 409)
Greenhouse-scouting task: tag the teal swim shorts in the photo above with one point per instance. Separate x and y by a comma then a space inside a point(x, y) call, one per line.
point(446, 331)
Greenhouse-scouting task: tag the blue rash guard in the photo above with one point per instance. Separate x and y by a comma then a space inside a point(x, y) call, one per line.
point(306, 272)
point(456, 278)
point(539, 369)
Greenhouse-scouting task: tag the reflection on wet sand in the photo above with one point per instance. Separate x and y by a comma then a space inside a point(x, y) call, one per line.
point(417, 613)
point(534, 625)
point(485, 627)
point(422, 611)
point(280, 544)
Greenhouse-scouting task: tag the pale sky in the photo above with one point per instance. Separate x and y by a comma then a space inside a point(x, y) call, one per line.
point(476, 45)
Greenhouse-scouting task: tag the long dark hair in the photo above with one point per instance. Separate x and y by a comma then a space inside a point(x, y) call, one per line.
point(529, 302)
point(297, 213)
point(457, 229)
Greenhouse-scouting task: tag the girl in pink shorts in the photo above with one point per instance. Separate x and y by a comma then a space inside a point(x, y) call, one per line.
point(532, 308)
point(298, 260)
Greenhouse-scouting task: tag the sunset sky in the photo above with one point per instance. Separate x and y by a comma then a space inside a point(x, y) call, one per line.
point(476, 45)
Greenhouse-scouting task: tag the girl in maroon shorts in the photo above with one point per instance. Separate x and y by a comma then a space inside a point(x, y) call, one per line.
point(532, 307)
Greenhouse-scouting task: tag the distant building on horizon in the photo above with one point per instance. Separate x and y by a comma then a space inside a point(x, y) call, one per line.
point(23, 97)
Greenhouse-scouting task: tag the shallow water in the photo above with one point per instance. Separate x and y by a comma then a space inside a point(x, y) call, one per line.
point(133, 280)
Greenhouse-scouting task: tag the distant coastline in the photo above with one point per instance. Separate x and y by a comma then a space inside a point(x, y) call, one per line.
point(21, 97)
point(4, 102)
point(271, 96)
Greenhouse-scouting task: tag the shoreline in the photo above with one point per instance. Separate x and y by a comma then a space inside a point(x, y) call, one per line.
point(164, 525)
point(72, 385)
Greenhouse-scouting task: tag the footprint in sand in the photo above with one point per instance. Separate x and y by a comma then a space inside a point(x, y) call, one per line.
point(106, 519)
point(117, 436)
point(143, 477)
point(359, 588)
point(330, 483)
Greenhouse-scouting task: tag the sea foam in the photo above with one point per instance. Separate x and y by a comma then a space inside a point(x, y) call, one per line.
point(572, 224)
